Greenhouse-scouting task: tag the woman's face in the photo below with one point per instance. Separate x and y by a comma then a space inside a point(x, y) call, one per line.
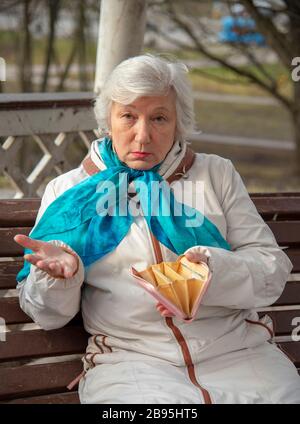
point(143, 132)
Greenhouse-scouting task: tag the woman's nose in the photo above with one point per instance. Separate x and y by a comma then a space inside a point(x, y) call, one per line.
point(142, 134)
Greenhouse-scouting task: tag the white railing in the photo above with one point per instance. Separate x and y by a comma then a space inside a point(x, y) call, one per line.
point(54, 121)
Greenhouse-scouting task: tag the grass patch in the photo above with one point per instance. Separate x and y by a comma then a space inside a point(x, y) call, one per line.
point(212, 79)
point(247, 120)
point(10, 39)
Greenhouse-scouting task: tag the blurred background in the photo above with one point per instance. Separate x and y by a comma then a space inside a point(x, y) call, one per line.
point(243, 61)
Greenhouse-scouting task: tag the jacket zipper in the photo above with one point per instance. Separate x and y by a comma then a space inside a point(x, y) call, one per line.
point(177, 333)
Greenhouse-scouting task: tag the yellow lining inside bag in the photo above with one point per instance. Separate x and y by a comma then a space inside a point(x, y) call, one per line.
point(180, 282)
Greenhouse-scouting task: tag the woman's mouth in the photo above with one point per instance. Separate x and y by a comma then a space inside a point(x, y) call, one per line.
point(140, 155)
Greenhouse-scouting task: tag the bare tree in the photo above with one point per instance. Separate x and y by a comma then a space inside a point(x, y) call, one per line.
point(29, 13)
point(285, 42)
point(53, 8)
point(67, 66)
point(25, 63)
point(78, 50)
point(82, 62)
point(287, 46)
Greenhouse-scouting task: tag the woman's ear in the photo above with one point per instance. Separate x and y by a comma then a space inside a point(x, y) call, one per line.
point(108, 130)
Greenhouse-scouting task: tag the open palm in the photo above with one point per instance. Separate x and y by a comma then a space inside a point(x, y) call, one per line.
point(54, 260)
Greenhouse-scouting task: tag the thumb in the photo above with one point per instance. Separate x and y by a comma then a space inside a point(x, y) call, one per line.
point(69, 271)
point(192, 257)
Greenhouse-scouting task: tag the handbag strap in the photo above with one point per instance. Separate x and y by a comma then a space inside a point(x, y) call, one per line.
point(156, 248)
point(91, 168)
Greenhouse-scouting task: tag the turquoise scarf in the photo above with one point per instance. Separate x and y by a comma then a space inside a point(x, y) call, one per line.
point(94, 216)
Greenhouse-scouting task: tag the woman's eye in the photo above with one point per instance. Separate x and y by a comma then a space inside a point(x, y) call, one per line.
point(159, 118)
point(127, 116)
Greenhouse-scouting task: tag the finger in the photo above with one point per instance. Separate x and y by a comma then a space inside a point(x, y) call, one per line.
point(68, 272)
point(32, 258)
point(41, 264)
point(27, 242)
point(167, 313)
point(161, 308)
point(192, 257)
point(56, 268)
point(44, 266)
point(164, 311)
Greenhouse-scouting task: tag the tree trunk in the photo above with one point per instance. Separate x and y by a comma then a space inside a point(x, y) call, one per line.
point(82, 46)
point(53, 10)
point(25, 154)
point(25, 66)
point(66, 70)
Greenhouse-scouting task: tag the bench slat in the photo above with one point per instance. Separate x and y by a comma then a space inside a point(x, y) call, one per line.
point(8, 247)
point(8, 272)
point(11, 311)
point(294, 255)
point(32, 380)
point(18, 213)
point(39, 343)
point(290, 295)
point(286, 232)
point(282, 321)
point(277, 205)
point(57, 398)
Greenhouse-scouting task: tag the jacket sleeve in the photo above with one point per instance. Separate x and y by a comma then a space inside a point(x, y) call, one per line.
point(50, 302)
point(253, 274)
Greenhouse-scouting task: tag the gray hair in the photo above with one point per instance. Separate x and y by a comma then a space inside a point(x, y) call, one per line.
point(147, 75)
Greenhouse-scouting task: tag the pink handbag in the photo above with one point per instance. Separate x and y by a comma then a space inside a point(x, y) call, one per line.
point(179, 286)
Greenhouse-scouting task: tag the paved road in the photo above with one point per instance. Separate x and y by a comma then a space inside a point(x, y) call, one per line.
point(245, 141)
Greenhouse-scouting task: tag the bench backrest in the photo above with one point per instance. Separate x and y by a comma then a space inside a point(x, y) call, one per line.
point(37, 365)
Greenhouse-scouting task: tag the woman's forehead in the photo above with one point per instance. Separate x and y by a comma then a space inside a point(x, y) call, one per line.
point(166, 102)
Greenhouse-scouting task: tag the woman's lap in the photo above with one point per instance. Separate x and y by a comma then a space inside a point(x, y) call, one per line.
point(138, 382)
point(258, 375)
point(262, 374)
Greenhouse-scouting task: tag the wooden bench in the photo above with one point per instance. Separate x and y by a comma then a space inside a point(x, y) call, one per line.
point(37, 365)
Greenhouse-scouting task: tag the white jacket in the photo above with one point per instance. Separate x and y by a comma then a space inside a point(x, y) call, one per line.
point(122, 317)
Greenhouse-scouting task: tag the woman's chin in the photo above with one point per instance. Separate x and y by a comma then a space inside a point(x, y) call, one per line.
point(140, 164)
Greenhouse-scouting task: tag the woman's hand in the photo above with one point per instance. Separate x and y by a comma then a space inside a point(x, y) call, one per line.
point(196, 257)
point(54, 260)
point(164, 312)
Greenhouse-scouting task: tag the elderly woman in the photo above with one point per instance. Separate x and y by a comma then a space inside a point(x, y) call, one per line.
point(82, 251)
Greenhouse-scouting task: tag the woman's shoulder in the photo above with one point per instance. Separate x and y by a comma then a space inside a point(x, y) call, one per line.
point(214, 170)
point(211, 162)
